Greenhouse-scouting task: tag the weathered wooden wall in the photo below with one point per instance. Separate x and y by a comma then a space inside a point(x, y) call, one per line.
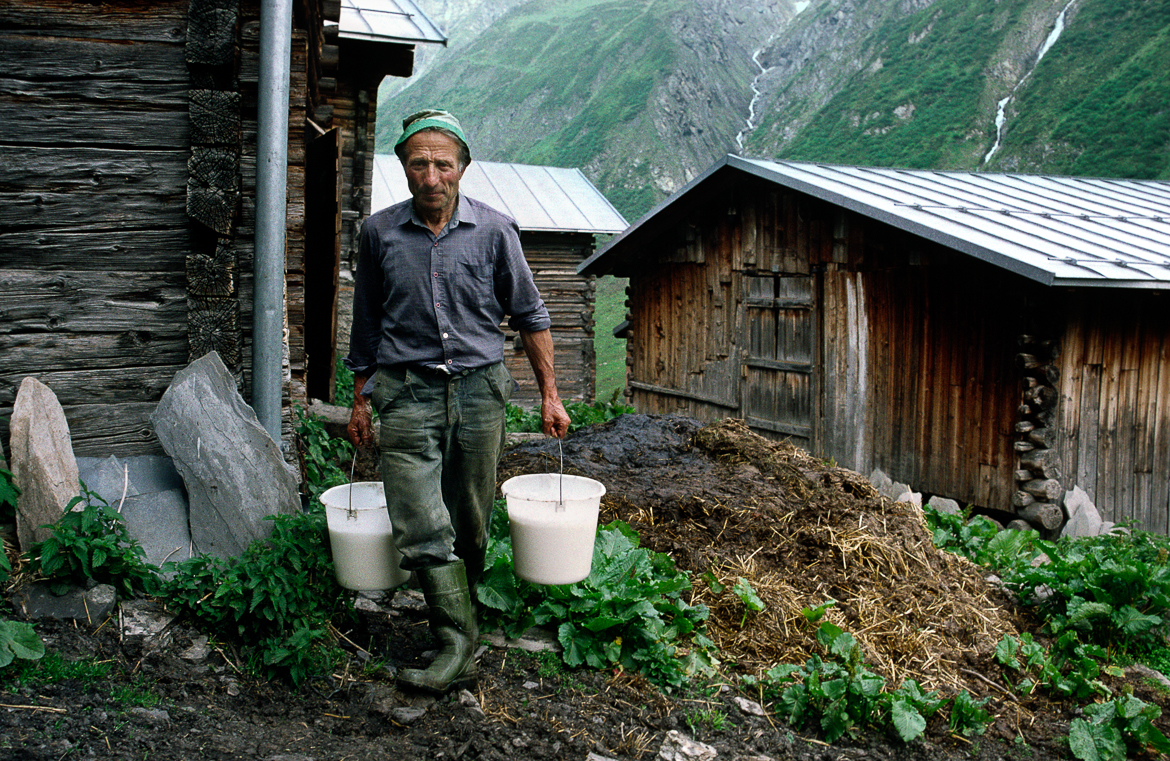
point(1114, 412)
point(127, 218)
point(94, 145)
point(553, 258)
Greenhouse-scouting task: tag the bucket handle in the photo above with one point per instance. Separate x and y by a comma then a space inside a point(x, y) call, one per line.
point(350, 514)
point(561, 480)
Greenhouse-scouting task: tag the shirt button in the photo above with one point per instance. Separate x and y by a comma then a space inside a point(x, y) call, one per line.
point(436, 274)
point(449, 361)
point(444, 335)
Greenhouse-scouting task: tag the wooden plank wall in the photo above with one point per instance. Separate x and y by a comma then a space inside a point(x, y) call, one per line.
point(553, 258)
point(93, 228)
point(940, 392)
point(1114, 433)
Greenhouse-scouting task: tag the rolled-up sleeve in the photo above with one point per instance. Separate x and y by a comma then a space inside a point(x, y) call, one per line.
point(515, 288)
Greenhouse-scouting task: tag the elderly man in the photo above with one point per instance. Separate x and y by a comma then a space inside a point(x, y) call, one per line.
point(436, 275)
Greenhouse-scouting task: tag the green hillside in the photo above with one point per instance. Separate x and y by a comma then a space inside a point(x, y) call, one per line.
point(554, 83)
point(920, 106)
point(1096, 104)
point(1099, 103)
point(580, 83)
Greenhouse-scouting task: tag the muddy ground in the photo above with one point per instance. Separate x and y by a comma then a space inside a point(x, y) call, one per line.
point(718, 500)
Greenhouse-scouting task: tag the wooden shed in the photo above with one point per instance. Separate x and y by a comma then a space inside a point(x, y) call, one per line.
point(995, 339)
point(559, 213)
point(128, 175)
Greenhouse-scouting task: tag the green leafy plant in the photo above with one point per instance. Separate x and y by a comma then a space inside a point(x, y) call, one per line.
point(8, 496)
point(980, 541)
point(1072, 672)
point(1111, 590)
point(968, 715)
point(90, 541)
point(843, 696)
point(751, 601)
point(19, 640)
point(628, 613)
point(277, 599)
point(814, 615)
point(581, 415)
point(322, 454)
point(1117, 729)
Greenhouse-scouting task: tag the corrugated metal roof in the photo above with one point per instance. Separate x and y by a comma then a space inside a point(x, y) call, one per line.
point(539, 198)
point(1065, 231)
point(387, 21)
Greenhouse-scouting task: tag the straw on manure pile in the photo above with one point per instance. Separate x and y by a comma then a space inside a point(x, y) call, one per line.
point(825, 533)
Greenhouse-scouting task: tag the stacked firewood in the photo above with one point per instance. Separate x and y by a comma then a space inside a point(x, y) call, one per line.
point(1037, 500)
point(213, 185)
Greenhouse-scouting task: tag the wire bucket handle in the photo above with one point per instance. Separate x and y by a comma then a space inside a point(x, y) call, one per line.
point(561, 479)
point(350, 513)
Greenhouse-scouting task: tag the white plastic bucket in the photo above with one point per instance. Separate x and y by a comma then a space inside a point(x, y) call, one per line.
point(552, 545)
point(359, 533)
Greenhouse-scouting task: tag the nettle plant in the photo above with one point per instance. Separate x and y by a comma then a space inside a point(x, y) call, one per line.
point(278, 599)
point(90, 541)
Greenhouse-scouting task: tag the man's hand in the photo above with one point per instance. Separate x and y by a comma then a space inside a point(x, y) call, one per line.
point(554, 421)
point(361, 419)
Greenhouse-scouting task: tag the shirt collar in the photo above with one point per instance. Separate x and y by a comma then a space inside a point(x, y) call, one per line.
point(464, 214)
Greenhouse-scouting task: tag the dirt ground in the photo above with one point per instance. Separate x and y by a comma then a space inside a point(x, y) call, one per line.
point(718, 500)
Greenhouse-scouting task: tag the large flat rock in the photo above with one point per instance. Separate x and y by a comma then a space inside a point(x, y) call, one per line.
point(233, 470)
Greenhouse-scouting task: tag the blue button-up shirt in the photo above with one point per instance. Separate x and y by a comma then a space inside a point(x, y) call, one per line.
point(422, 299)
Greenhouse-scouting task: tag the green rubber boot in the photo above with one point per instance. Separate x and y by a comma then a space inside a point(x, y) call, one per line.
point(453, 624)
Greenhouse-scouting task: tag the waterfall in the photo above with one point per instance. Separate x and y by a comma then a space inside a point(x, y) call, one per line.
point(1001, 108)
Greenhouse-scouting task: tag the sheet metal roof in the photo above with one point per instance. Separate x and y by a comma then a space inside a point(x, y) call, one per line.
point(539, 198)
point(387, 21)
point(1063, 231)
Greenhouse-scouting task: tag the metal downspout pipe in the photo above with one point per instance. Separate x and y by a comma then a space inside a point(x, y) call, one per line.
point(271, 197)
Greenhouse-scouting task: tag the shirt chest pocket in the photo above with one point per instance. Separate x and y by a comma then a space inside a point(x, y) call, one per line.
point(472, 280)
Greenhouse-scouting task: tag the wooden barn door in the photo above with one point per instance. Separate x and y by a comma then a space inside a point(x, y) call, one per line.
point(781, 352)
point(322, 261)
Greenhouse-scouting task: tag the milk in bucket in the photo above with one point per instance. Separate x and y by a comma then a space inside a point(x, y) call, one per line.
point(553, 520)
point(364, 554)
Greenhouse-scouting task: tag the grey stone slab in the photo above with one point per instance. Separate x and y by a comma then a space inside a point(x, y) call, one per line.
point(944, 505)
point(145, 474)
point(36, 603)
point(1083, 517)
point(158, 522)
point(232, 469)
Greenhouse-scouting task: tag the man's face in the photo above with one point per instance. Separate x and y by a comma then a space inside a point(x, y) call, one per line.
point(433, 172)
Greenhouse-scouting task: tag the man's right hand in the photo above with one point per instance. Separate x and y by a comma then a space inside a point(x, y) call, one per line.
point(361, 419)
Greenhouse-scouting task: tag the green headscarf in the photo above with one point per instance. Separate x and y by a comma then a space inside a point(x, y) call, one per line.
point(431, 118)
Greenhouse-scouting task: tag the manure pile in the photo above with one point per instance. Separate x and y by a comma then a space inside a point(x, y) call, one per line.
point(724, 500)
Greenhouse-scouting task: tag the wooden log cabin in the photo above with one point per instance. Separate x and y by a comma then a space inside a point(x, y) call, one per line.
point(128, 154)
point(995, 339)
point(560, 214)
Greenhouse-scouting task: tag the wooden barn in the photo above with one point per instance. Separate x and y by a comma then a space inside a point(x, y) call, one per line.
point(995, 339)
point(176, 177)
point(559, 213)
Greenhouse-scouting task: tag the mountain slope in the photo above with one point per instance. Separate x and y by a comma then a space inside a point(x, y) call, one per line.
point(641, 94)
point(645, 94)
